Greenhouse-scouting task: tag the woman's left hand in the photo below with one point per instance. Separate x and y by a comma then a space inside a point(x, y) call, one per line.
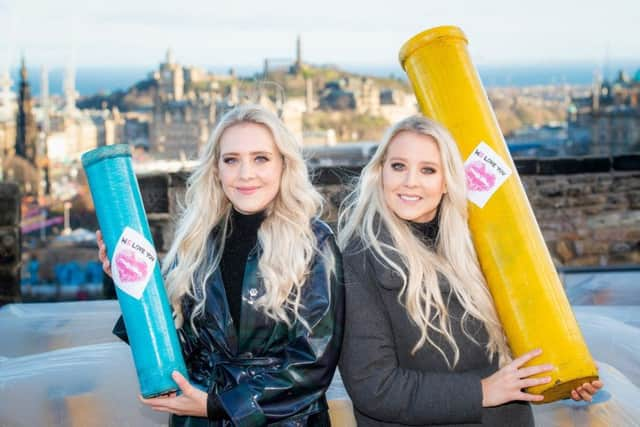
point(586, 391)
point(192, 401)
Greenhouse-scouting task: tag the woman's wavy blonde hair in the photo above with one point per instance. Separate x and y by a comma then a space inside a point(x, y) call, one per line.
point(285, 236)
point(365, 213)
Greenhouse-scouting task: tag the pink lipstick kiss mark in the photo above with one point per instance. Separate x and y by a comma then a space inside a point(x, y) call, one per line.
point(478, 177)
point(129, 268)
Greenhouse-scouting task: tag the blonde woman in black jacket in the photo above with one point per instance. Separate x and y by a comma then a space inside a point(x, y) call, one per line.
point(423, 343)
point(255, 283)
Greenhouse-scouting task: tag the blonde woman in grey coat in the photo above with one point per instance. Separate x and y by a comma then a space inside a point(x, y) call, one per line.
point(423, 343)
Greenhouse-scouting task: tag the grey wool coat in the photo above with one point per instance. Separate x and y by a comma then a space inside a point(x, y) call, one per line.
point(391, 387)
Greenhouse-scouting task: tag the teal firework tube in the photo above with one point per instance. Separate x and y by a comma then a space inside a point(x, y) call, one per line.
point(135, 268)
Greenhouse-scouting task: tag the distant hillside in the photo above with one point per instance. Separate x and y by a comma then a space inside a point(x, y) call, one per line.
point(294, 85)
point(139, 95)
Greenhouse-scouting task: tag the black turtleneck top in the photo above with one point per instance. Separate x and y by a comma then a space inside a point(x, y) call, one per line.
point(239, 242)
point(237, 245)
point(427, 232)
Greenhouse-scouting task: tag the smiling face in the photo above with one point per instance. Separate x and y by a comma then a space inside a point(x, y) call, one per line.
point(412, 176)
point(250, 167)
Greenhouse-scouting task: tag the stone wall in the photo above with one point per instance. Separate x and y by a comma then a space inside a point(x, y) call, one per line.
point(588, 209)
point(588, 219)
point(10, 242)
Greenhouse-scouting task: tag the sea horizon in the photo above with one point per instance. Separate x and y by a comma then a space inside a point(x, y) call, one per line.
point(91, 80)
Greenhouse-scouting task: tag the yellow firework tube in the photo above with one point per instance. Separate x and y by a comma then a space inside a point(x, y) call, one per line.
point(528, 294)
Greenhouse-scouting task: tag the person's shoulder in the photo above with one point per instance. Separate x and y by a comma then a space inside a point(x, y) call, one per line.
point(357, 256)
point(362, 260)
point(362, 246)
point(357, 247)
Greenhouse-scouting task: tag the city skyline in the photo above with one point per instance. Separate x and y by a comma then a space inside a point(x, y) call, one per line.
point(91, 80)
point(202, 33)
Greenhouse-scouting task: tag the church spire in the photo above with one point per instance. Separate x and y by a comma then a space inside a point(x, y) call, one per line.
point(26, 132)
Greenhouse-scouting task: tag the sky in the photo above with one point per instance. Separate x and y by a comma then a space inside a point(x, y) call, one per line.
point(215, 33)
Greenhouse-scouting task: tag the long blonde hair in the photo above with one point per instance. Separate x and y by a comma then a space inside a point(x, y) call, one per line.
point(365, 212)
point(285, 236)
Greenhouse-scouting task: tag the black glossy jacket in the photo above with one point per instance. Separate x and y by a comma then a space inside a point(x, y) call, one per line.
point(268, 373)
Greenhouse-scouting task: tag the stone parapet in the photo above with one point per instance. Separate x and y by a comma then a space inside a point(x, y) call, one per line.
point(588, 215)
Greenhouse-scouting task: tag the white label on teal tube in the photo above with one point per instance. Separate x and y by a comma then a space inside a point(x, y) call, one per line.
point(133, 262)
point(486, 172)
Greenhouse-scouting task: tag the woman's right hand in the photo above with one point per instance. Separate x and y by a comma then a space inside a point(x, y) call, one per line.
point(506, 385)
point(102, 254)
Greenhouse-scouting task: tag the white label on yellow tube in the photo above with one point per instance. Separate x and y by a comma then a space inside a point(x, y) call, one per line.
point(133, 261)
point(485, 171)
